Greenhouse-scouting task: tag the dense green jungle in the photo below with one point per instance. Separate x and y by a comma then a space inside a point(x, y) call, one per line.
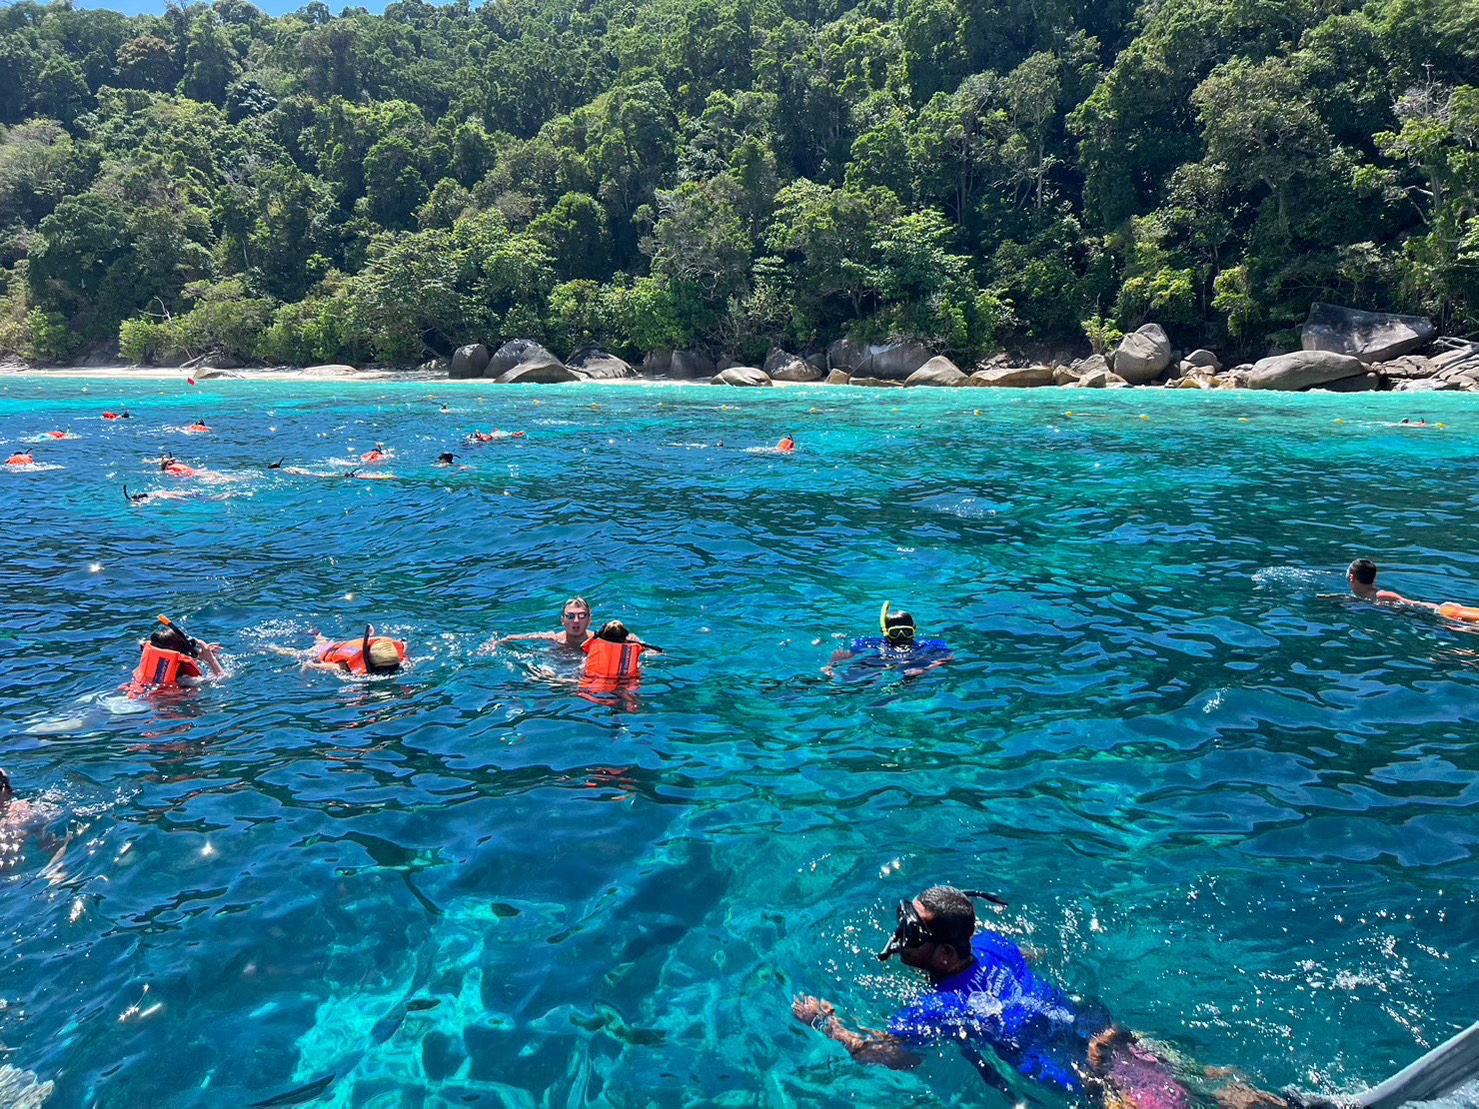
point(728, 174)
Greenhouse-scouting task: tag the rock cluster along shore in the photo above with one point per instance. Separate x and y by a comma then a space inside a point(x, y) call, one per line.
point(1345, 350)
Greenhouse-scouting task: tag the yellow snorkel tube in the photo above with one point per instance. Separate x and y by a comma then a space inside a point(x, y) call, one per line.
point(883, 618)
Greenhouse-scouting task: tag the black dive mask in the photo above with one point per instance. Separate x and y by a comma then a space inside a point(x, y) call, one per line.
point(913, 932)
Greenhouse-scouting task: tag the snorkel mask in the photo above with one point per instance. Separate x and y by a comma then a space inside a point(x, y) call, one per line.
point(192, 645)
point(913, 932)
point(899, 633)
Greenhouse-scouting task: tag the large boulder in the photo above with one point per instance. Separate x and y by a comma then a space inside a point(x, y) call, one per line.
point(838, 377)
point(1143, 355)
point(938, 371)
point(874, 382)
point(516, 352)
point(468, 361)
point(896, 361)
point(1204, 358)
point(741, 375)
point(539, 371)
point(690, 365)
point(1361, 383)
point(1099, 379)
point(1014, 377)
point(1062, 375)
point(1426, 385)
point(1302, 369)
point(657, 362)
point(847, 355)
point(1369, 336)
point(593, 364)
point(782, 366)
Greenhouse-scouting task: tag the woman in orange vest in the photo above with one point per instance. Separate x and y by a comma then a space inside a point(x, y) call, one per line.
point(170, 660)
point(786, 445)
point(612, 656)
point(370, 654)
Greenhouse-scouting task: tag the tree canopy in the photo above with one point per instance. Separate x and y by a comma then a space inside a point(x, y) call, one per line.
point(728, 174)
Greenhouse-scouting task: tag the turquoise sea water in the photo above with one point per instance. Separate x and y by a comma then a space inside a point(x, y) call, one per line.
point(1241, 814)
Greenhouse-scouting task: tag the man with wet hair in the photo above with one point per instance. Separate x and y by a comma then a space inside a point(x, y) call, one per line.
point(575, 620)
point(1362, 578)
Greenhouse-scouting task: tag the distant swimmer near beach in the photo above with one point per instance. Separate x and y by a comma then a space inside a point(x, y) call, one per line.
point(897, 648)
point(575, 618)
point(786, 445)
point(375, 455)
point(197, 428)
point(170, 659)
point(446, 458)
point(493, 436)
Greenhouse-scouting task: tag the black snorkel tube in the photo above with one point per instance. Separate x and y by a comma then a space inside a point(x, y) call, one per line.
point(364, 654)
point(192, 645)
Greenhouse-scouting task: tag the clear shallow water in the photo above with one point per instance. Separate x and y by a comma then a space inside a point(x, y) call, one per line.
point(1242, 815)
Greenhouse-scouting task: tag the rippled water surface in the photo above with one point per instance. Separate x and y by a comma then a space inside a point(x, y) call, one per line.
point(1242, 814)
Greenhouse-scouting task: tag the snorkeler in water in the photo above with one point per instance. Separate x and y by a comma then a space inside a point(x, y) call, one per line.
point(446, 458)
point(170, 660)
point(896, 648)
point(1009, 1020)
point(369, 654)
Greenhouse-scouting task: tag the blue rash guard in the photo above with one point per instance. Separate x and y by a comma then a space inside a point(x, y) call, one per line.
point(875, 647)
point(1027, 1021)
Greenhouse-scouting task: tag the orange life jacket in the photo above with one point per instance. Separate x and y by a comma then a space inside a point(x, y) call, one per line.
point(159, 668)
point(19, 459)
point(351, 654)
point(372, 456)
point(1451, 610)
point(110, 415)
point(609, 661)
point(197, 427)
point(785, 445)
point(57, 434)
point(179, 469)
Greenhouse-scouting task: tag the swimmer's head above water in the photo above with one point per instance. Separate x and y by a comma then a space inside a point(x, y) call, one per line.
point(7, 791)
point(897, 627)
point(1362, 576)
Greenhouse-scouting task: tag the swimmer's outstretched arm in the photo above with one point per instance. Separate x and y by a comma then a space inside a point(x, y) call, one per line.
point(548, 637)
point(874, 1047)
point(208, 652)
point(842, 654)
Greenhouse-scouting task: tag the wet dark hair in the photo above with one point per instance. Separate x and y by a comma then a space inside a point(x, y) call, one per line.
point(447, 456)
point(613, 631)
point(7, 791)
point(895, 624)
point(1364, 571)
point(172, 639)
point(953, 917)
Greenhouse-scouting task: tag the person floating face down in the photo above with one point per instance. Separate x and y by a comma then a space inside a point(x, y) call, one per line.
point(367, 655)
point(985, 996)
point(897, 648)
point(170, 660)
point(613, 659)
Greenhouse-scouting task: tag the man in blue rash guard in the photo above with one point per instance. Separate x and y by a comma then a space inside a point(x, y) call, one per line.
point(896, 647)
point(985, 995)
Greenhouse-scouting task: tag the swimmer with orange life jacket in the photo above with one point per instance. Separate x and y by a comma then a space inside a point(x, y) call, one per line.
point(21, 458)
point(171, 660)
point(168, 465)
point(613, 657)
point(374, 455)
point(786, 445)
point(197, 428)
point(1362, 579)
point(369, 654)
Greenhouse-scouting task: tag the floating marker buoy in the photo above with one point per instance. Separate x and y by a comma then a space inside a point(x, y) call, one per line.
point(978, 412)
point(1339, 420)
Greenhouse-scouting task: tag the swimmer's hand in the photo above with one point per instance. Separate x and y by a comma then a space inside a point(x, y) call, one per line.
point(875, 1047)
point(810, 1010)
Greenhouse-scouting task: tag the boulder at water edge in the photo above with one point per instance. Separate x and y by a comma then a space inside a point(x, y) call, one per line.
point(847, 355)
point(516, 352)
point(1014, 377)
point(596, 365)
point(873, 382)
point(1370, 336)
point(468, 361)
point(539, 371)
point(1361, 383)
point(690, 365)
point(1301, 369)
point(938, 371)
point(1099, 379)
point(1143, 355)
point(838, 377)
point(896, 361)
point(1204, 359)
point(741, 375)
point(784, 366)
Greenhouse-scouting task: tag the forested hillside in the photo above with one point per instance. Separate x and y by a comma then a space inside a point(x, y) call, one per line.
point(729, 174)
